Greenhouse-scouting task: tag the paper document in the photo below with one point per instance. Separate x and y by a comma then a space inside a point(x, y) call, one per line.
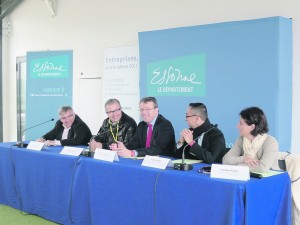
point(267, 174)
point(136, 157)
point(187, 161)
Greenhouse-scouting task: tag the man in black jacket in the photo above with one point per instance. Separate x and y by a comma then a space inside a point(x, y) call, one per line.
point(202, 140)
point(69, 130)
point(117, 127)
point(154, 136)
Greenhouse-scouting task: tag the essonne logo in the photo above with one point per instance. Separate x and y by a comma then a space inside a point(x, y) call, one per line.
point(181, 76)
point(50, 67)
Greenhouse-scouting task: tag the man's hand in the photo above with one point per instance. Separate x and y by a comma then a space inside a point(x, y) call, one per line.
point(40, 140)
point(187, 135)
point(123, 152)
point(94, 144)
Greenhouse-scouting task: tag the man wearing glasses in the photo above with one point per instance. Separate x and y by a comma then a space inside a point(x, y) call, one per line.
point(155, 134)
point(69, 130)
point(202, 140)
point(117, 127)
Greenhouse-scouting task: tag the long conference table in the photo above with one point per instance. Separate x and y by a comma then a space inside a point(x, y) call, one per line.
point(84, 191)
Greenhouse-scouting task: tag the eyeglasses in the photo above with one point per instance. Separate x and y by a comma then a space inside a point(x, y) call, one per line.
point(190, 116)
point(112, 112)
point(146, 110)
point(67, 117)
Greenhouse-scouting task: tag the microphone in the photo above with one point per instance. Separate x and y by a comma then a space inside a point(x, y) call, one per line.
point(21, 144)
point(89, 152)
point(183, 166)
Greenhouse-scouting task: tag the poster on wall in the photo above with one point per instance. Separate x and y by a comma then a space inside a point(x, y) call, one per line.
point(121, 78)
point(48, 87)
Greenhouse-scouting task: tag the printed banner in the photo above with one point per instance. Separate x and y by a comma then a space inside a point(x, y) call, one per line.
point(121, 78)
point(49, 86)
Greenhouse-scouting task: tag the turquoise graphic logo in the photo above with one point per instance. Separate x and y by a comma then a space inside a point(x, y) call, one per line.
point(50, 67)
point(182, 76)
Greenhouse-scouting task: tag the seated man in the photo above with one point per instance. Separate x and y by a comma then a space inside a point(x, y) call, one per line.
point(202, 140)
point(118, 126)
point(154, 136)
point(69, 130)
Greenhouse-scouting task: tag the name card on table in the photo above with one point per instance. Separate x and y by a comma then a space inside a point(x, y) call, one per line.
point(106, 155)
point(35, 145)
point(155, 162)
point(67, 150)
point(230, 172)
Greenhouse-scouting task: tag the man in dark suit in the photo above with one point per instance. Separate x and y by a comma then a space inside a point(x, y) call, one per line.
point(69, 130)
point(155, 134)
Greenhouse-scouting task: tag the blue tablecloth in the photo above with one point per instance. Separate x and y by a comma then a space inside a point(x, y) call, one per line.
point(113, 193)
point(83, 191)
point(193, 198)
point(37, 182)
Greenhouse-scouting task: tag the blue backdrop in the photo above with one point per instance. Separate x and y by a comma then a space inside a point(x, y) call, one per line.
point(49, 86)
point(227, 66)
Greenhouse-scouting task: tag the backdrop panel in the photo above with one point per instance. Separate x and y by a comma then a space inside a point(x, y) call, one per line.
point(49, 86)
point(228, 66)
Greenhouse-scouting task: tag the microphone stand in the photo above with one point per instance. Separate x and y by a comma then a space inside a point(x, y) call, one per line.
point(21, 144)
point(183, 166)
point(90, 152)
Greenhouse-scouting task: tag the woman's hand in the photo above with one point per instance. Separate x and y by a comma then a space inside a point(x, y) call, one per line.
point(251, 162)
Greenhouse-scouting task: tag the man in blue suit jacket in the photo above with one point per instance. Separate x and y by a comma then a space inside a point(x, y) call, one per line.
point(163, 136)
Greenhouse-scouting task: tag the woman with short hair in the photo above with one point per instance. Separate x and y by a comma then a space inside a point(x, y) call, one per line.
point(255, 147)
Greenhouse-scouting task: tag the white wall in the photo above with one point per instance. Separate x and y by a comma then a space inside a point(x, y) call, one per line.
point(88, 27)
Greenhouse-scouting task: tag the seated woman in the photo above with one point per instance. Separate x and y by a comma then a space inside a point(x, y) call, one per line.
point(254, 148)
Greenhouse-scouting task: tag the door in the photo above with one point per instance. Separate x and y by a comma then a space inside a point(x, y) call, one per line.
point(21, 95)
